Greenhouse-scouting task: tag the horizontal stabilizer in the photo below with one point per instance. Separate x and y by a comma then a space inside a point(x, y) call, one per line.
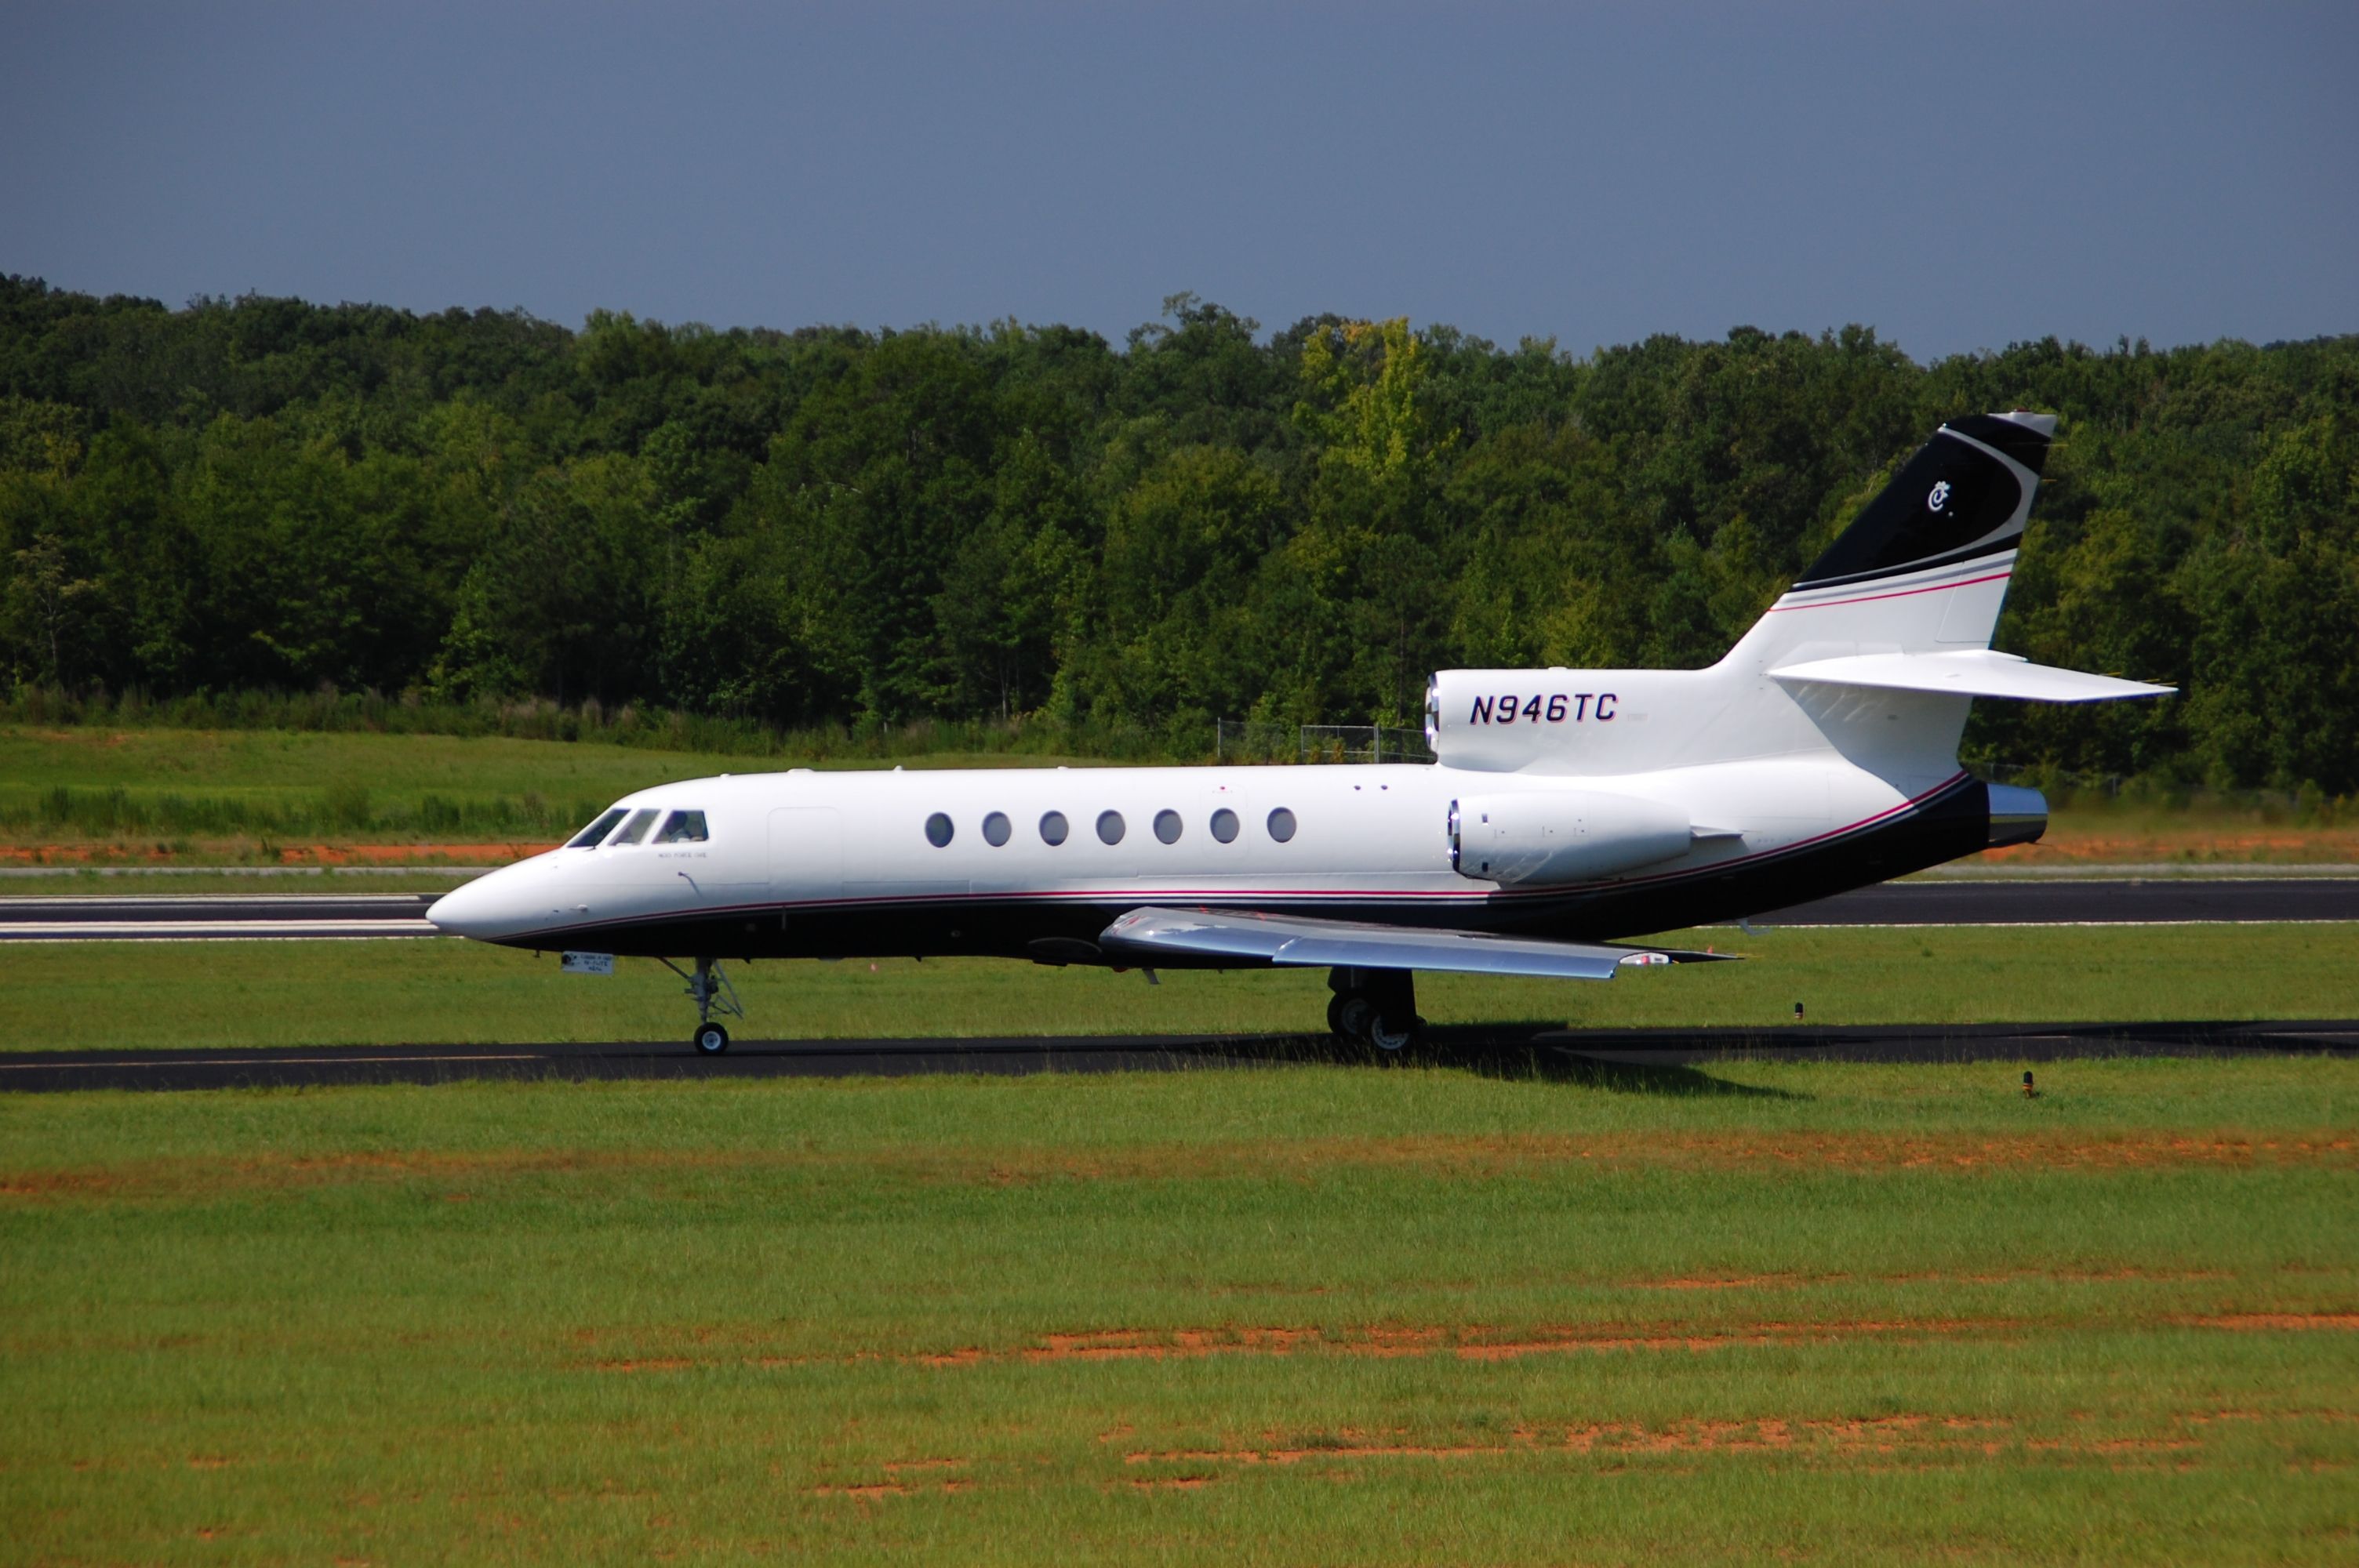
point(1967, 672)
point(1293, 940)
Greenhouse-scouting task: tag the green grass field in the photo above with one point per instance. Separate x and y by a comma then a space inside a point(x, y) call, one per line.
point(142, 786)
point(212, 994)
point(1791, 1312)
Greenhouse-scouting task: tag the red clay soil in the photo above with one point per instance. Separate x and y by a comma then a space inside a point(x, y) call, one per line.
point(2268, 1321)
point(116, 854)
point(405, 854)
point(2315, 846)
point(1909, 1441)
point(1492, 1155)
point(1924, 1438)
point(2006, 1277)
point(1466, 1343)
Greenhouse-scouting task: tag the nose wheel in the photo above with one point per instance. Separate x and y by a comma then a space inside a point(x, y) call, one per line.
point(709, 989)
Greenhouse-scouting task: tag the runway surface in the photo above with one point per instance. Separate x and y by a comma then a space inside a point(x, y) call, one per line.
point(185, 917)
point(2162, 900)
point(1509, 1050)
point(164, 917)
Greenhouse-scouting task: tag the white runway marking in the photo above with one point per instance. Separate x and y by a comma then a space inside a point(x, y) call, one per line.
point(209, 930)
point(248, 1061)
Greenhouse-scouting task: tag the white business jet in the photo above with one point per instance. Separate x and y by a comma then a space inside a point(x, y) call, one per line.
point(1567, 806)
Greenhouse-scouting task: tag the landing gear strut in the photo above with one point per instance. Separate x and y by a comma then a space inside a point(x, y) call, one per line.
point(1375, 1008)
point(709, 989)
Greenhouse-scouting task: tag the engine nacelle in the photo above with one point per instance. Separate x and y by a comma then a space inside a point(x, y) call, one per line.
point(1546, 838)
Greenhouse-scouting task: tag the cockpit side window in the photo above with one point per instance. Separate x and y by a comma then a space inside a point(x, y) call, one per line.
point(682, 828)
point(590, 837)
point(634, 830)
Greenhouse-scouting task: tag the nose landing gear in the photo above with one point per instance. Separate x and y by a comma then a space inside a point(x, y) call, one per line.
point(709, 989)
point(1375, 1008)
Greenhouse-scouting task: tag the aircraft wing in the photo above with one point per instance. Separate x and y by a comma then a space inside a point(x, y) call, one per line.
point(1144, 935)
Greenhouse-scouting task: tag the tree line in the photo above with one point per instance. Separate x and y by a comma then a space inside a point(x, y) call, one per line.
point(1033, 525)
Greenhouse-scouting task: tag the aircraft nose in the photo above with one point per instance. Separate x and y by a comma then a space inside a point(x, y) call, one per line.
point(478, 909)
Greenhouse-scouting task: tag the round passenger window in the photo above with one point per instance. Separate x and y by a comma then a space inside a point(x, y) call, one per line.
point(1053, 827)
point(1224, 826)
point(938, 831)
point(1166, 826)
point(1281, 824)
point(995, 829)
point(1110, 826)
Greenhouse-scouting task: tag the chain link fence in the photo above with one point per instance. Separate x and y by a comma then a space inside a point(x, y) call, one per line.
point(1247, 740)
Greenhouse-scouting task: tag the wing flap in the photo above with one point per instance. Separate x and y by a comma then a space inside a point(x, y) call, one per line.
point(1968, 671)
point(1295, 941)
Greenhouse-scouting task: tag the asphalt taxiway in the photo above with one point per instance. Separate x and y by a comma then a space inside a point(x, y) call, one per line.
point(1518, 1050)
point(2161, 901)
point(1993, 901)
point(184, 917)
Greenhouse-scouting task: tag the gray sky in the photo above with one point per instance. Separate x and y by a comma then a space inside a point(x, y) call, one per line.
point(1956, 176)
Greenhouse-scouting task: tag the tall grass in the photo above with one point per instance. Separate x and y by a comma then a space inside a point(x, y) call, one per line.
point(329, 710)
point(1187, 739)
point(343, 808)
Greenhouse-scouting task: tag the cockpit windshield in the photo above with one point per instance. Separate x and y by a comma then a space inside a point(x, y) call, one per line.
point(591, 835)
point(682, 828)
point(634, 830)
point(678, 828)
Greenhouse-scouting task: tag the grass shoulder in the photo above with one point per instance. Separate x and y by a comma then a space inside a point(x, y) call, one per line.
point(214, 994)
point(237, 796)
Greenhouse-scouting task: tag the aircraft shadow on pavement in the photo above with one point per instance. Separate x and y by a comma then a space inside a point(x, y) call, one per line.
point(1559, 1066)
point(1517, 1051)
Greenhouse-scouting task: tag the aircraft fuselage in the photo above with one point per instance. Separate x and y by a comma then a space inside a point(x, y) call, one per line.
point(841, 864)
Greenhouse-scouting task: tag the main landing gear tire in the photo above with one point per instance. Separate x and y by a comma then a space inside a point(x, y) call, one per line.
point(711, 1039)
point(1348, 1013)
point(1374, 1010)
point(1394, 1033)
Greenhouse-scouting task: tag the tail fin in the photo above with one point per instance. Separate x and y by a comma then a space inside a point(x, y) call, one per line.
point(1877, 650)
point(1893, 623)
point(1959, 501)
point(1924, 568)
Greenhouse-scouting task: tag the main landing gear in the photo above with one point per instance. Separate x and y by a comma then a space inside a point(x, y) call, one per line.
point(1375, 1008)
point(710, 990)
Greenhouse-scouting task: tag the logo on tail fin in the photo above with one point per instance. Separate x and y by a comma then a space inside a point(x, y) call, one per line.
point(1976, 475)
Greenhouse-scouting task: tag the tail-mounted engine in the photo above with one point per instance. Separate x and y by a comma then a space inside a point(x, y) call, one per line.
point(1549, 836)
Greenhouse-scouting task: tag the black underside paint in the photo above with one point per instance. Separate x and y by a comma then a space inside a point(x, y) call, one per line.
point(1943, 828)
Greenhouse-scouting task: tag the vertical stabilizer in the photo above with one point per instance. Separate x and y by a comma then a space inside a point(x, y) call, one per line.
point(1877, 652)
point(1924, 568)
